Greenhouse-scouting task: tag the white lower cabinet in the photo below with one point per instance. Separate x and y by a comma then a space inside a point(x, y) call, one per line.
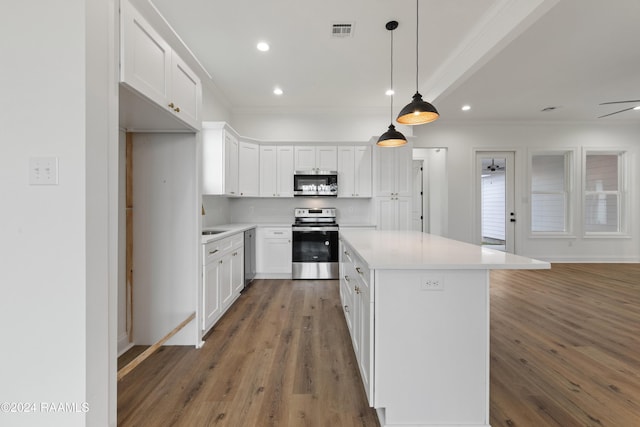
point(273, 252)
point(223, 277)
point(357, 301)
point(212, 309)
point(237, 270)
point(226, 289)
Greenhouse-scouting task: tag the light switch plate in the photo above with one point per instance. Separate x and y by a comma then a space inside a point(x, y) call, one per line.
point(43, 171)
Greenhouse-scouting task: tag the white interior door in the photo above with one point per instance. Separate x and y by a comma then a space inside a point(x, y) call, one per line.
point(496, 214)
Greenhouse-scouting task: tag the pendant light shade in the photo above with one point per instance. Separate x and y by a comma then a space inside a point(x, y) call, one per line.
point(418, 111)
point(391, 138)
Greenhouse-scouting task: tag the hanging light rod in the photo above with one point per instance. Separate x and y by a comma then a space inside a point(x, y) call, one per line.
point(391, 138)
point(418, 111)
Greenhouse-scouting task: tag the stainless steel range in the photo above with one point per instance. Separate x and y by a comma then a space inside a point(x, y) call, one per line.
point(315, 244)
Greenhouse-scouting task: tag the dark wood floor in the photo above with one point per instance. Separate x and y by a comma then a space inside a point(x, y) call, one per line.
point(565, 351)
point(565, 346)
point(281, 356)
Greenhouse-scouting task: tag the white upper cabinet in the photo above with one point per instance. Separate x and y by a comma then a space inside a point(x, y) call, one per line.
point(186, 92)
point(285, 171)
point(220, 158)
point(354, 171)
point(249, 169)
point(394, 213)
point(316, 158)
point(231, 149)
point(268, 171)
point(305, 158)
point(393, 171)
point(276, 171)
point(150, 68)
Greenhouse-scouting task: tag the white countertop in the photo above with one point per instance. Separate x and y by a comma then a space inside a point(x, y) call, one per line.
point(413, 250)
point(227, 230)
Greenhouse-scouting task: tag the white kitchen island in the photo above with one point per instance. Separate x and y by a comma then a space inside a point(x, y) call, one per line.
point(417, 307)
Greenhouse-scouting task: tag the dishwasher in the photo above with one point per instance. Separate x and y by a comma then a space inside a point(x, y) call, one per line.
point(249, 256)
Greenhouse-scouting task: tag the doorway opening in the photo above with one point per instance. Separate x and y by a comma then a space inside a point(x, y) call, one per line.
point(495, 184)
point(417, 205)
point(430, 190)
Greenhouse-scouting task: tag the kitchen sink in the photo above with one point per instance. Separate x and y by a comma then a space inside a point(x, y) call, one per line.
point(210, 232)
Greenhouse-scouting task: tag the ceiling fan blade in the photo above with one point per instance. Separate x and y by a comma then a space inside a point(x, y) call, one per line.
point(611, 114)
point(619, 102)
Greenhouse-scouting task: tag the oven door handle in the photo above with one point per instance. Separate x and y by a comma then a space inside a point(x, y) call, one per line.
point(297, 228)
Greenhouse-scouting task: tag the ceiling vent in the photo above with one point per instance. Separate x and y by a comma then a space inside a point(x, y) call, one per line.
point(342, 30)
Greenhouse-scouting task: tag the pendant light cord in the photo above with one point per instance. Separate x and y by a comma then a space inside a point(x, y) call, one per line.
point(417, 38)
point(391, 83)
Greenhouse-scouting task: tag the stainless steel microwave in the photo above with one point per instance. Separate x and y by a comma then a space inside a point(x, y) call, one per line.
point(315, 183)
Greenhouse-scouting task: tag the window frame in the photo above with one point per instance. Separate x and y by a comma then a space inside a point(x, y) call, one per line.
point(622, 193)
point(569, 197)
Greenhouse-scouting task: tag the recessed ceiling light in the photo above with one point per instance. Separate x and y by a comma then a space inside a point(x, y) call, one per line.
point(263, 46)
point(277, 91)
point(389, 92)
point(466, 107)
point(637, 108)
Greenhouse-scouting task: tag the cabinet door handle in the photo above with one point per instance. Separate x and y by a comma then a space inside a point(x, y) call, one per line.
point(346, 308)
point(171, 105)
point(220, 262)
point(213, 252)
point(177, 109)
point(358, 270)
point(347, 278)
point(357, 289)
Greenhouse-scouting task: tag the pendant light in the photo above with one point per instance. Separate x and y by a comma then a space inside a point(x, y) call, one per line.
point(417, 112)
point(391, 138)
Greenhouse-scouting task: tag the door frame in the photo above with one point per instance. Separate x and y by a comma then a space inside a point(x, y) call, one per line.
point(511, 237)
point(421, 197)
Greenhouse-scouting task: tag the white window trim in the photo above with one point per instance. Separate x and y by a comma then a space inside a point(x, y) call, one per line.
point(570, 196)
point(624, 212)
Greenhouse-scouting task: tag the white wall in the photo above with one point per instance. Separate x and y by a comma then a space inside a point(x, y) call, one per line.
point(214, 106)
point(319, 126)
point(280, 210)
point(166, 249)
point(461, 140)
point(55, 259)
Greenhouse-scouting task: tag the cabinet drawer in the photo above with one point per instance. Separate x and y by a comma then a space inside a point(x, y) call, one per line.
point(277, 232)
point(361, 269)
point(212, 251)
point(347, 254)
point(237, 240)
point(217, 248)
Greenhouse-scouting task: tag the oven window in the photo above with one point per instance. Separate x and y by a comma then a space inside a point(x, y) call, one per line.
point(315, 246)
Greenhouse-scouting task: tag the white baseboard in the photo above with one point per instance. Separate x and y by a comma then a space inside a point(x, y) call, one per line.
point(123, 344)
point(283, 276)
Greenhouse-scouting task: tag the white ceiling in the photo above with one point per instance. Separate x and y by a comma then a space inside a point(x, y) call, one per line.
point(508, 59)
